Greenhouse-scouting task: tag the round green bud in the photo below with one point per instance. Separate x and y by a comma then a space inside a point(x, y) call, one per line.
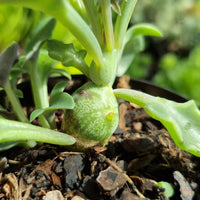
point(94, 117)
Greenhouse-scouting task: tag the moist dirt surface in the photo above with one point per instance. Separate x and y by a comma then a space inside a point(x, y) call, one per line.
point(139, 154)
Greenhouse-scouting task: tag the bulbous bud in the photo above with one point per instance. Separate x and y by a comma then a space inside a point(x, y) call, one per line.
point(94, 117)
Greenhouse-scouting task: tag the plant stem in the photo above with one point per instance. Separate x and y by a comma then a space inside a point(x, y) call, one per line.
point(108, 25)
point(122, 21)
point(15, 102)
point(94, 18)
point(39, 90)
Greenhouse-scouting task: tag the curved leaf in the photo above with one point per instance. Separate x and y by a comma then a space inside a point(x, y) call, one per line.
point(144, 29)
point(182, 120)
point(7, 59)
point(42, 32)
point(67, 54)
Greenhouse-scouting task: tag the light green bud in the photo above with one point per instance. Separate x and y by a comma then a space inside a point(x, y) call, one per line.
point(94, 117)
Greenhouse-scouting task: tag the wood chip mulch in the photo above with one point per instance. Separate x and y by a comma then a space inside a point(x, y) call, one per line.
point(139, 154)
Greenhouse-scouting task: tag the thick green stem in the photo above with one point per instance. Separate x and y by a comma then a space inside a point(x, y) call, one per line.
point(108, 25)
point(40, 93)
point(94, 18)
point(122, 22)
point(15, 102)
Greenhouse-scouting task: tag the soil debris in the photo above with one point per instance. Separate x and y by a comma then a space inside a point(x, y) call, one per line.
point(139, 154)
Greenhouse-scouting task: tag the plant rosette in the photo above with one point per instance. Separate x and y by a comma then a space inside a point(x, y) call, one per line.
point(104, 47)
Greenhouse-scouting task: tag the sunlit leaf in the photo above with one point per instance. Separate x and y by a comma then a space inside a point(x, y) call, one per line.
point(42, 32)
point(58, 100)
point(144, 29)
point(182, 120)
point(169, 190)
point(67, 55)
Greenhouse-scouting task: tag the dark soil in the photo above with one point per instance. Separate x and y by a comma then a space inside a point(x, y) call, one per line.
point(139, 154)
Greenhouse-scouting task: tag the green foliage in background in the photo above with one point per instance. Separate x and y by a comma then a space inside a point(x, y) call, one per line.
point(181, 74)
point(174, 18)
point(17, 23)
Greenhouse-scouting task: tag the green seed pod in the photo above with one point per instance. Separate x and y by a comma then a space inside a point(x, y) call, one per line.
point(94, 117)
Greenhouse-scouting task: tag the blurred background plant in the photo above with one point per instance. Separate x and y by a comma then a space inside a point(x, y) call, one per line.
point(172, 61)
point(16, 24)
point(181, 74)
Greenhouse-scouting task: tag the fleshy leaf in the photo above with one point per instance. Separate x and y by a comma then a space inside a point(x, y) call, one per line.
point(182, 120)
point(116, 7)
point(144, 29)
point(134, 43)
point(7, 59)
point(58, 100)
point(11, 131)
point(68, 55)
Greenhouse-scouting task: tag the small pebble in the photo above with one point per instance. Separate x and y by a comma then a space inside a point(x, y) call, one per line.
point(54, 195)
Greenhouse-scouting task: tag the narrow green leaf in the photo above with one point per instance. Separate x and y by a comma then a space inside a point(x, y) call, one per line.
point(182, 120)
point(7, 59)
point(127, 8)
point(7, 145)
point(68, 55)
point(11, 131)
point(107, 23)
point(95, 19)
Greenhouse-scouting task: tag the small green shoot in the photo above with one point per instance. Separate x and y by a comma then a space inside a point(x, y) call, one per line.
point(168, 188)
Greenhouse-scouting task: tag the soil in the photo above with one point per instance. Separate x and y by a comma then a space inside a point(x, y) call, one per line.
point(139, 154)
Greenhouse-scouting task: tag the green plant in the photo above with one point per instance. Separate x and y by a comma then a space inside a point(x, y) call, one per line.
point(105, 49)
point(174, 18)
point(171, 64)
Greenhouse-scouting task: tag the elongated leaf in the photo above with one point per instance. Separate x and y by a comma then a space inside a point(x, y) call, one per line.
point(11, 131)
point(144, 29)
point(7, 59)
point(127, 8)
point(116, 7)
point(182, 120)
point(68, 55)
point(58, 100)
